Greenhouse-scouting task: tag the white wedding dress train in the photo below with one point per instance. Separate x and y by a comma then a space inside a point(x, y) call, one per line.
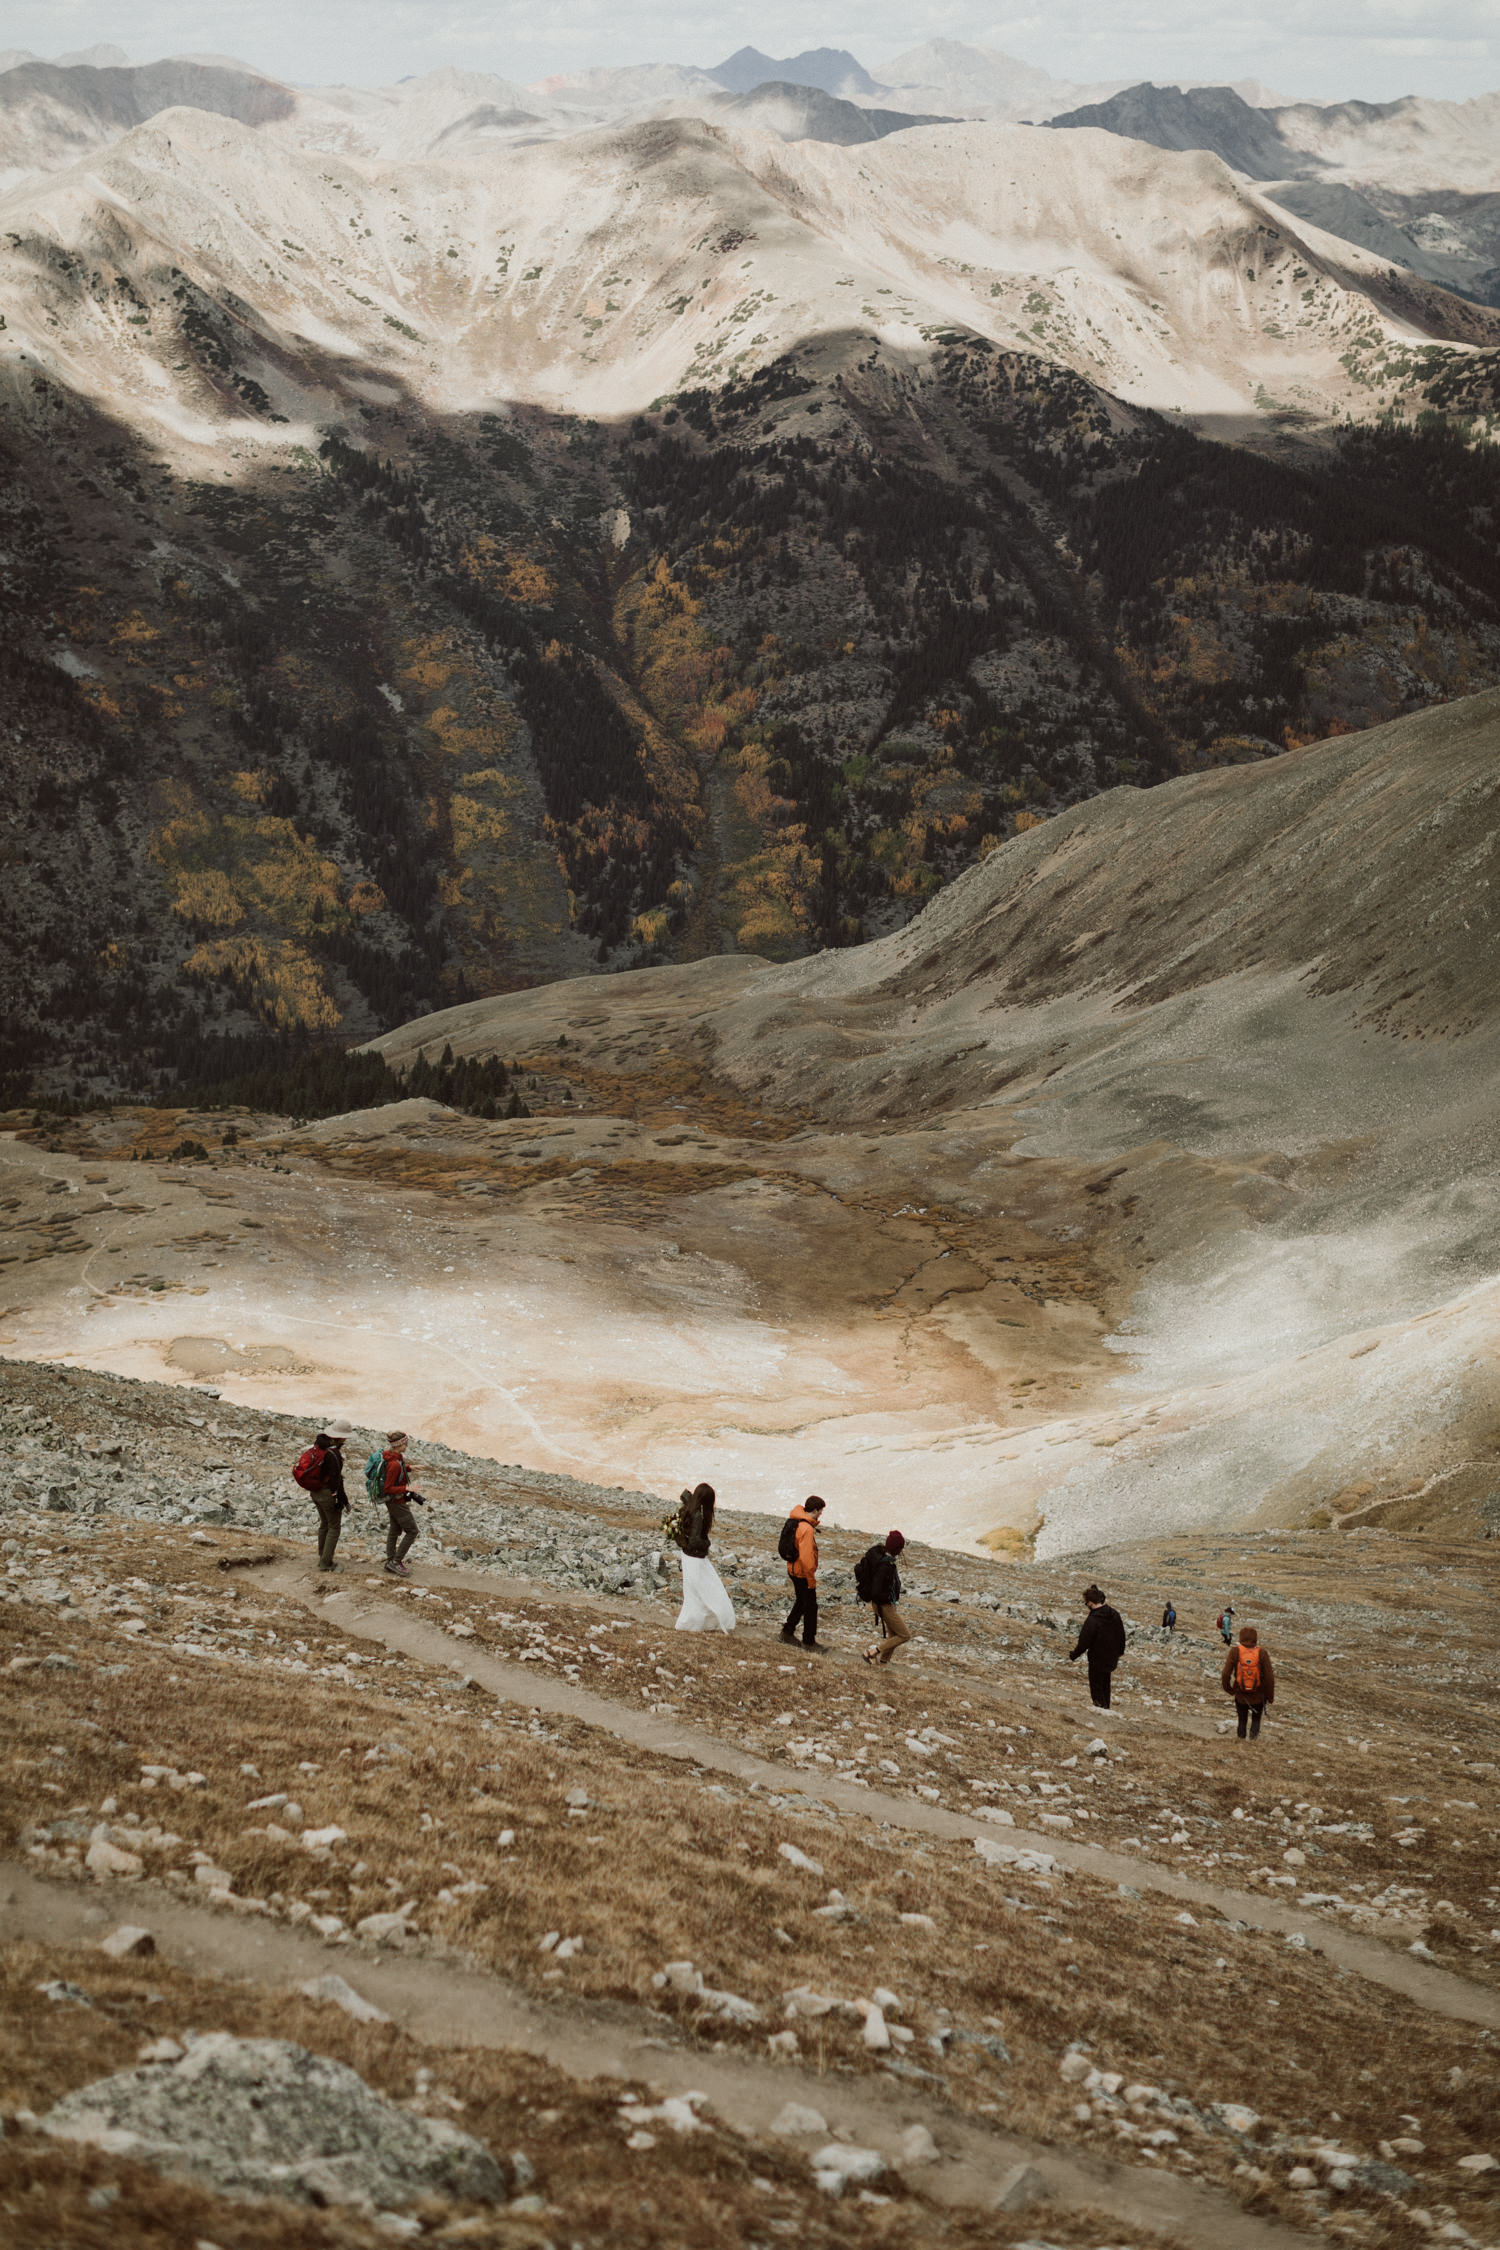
point(706, 1608)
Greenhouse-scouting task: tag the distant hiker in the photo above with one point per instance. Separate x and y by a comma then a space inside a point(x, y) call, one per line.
point(396, 1492)
point(1101, 1639)
point(878, 1582)
point(1169, 1619)
point(1249, 1677)
point(1225, 1623)
point(320, 1472)
point(798, 1549)
point(706, 1608)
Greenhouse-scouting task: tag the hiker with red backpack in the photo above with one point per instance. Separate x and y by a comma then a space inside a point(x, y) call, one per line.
point(320, 1473)
point(1249, 1677)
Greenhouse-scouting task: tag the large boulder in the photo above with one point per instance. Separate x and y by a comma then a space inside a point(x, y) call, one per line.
point(262, 2117)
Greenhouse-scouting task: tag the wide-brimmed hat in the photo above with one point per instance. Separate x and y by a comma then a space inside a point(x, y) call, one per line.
point(338, 1429)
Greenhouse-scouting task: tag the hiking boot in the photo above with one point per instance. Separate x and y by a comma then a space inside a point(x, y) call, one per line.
point(788, 1636)
point(397, 1570)
point(815, 1648)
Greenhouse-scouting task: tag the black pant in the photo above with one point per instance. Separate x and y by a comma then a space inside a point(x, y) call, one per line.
point(330, 1524)
point(806, 1607)
point(1254, 1712)
point(1100, 1675)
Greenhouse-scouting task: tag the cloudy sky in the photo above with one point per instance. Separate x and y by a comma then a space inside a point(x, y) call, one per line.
point(1326, 49)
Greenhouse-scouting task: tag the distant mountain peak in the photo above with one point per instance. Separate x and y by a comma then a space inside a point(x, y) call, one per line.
point(1215, 118)
point(831, 70)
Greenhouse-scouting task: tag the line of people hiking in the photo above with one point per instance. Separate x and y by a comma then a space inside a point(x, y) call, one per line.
point(706, 1606)
point(388, 1474)
point(1248, 1674)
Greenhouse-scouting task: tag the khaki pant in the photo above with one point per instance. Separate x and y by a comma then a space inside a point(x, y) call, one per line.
point(330, 1524)
point(401, 1531)
point(896, 1634)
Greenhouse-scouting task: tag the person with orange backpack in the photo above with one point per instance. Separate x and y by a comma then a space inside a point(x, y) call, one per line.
point(1249, 1677)
point(320, 1472)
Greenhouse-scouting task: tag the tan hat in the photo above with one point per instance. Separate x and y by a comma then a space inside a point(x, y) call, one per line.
point(338, 1429)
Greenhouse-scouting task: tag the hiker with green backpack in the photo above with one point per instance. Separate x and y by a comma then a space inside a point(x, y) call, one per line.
point(388, 1483)
point(878, 1582)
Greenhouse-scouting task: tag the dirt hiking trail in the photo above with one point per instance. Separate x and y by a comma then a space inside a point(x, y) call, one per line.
point(449, 2006)
point(1426, 1985)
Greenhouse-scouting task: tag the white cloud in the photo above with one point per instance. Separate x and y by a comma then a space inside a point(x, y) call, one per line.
point(1329, 50)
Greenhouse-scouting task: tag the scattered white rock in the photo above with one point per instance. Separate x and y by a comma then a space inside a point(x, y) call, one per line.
point(344, 1996)
point(794, 2118)
point(385, 1929)
point(104, 1859)
point(679, 2111)
point(1477, 2165)
point(128, 1942)
point(918, 2147)
point(839, 2166)
point(800, 1860)
point(678, 1976)
point(925, 1921)
point(322, 1839)
point(1021, 2187)
point(804, 2001)
point(159, 2051)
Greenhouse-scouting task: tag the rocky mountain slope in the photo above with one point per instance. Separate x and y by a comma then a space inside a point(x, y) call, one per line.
point(1412, 180)
point(428, 577)
point(1144, 1178)
point(1253, 1013)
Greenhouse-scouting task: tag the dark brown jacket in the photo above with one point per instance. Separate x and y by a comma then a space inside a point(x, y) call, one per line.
point(694, 1523)
point(1266, 1693)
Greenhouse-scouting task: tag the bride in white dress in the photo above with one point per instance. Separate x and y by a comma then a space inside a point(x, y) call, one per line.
point(706, 1608)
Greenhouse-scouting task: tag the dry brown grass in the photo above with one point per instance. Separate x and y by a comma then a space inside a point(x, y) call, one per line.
point(668, 1865)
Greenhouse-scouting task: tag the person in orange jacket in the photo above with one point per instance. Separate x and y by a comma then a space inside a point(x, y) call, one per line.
point(802, 1569)
point(1249, 1676)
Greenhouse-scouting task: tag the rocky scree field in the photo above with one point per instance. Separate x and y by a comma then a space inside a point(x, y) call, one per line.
point(199, 1722)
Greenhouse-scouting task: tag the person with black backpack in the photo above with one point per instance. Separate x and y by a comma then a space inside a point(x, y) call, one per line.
point(798, 1549)
point(1102, 1640)
point(878, 1582)
point(320, 1472)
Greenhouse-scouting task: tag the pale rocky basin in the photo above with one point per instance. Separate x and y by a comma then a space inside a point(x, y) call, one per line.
point(1147, 1181)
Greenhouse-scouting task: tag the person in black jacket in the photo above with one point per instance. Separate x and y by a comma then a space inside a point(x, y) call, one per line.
point(884, 1582)
point(328, 1494)
point(1101, 1639)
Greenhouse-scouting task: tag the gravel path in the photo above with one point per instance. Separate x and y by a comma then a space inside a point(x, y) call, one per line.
point(454, 2007)
point(1430, 1987)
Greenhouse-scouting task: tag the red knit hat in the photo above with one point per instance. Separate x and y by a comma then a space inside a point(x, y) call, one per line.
point(894, 1542)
